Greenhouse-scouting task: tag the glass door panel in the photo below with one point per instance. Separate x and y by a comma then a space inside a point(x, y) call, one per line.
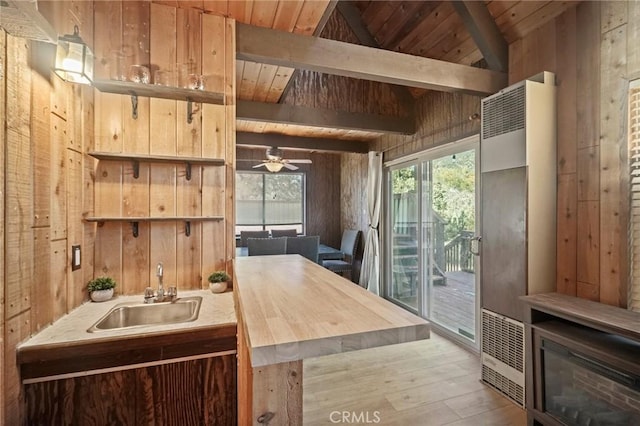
point(404, 236)
point(451, 216)
point(430, 234)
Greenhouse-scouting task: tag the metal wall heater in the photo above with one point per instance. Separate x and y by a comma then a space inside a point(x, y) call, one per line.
point(518, 221)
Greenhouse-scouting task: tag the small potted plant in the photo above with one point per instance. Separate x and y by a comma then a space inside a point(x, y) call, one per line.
point(101, 288)
point(218, 281)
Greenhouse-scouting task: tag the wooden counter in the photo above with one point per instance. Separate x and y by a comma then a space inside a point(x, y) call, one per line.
point(156, 374)
point(290, 309)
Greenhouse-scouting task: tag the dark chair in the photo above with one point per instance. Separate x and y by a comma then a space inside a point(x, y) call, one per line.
point(266, 246)
point(251, 234)
point(348, 246)
point(284, 233)
point(304, 246)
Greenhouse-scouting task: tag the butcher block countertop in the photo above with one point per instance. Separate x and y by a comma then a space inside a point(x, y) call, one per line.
point(295, 309)
point(66, 347)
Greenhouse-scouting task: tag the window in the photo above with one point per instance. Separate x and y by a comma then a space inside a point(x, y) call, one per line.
point(267, 201)
point(634, 166)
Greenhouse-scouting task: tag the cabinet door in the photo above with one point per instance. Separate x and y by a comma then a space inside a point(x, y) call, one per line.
point(504, 253)
point(197, 392)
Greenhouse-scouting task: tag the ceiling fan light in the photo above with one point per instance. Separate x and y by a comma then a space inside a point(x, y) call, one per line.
point(273, 167)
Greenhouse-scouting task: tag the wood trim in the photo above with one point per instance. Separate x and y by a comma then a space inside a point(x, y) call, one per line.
point(484, 31)
point(599, 316)
point(120, 351)
point(273, 47)
point(127, 367)
point(325, 118)
point(314, 144)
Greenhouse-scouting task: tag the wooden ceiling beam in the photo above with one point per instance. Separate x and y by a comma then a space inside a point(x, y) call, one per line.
point(323, 23)
point(324, 118)
point(298, 142)
point(485, 32)
point(281, 48)
point(351, 15)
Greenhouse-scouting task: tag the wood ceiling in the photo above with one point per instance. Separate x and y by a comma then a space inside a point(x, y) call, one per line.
point(428, 29)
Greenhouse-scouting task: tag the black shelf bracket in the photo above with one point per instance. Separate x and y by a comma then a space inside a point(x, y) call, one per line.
point(134, 106)
point(134, 229)
point(187, 228)
point(188, 170)
point(136, 169)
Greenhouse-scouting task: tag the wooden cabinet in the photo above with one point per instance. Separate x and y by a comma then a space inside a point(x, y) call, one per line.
point(193, 392)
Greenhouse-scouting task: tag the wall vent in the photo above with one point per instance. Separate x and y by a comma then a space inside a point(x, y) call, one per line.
point(503, 113)
point(503, 355)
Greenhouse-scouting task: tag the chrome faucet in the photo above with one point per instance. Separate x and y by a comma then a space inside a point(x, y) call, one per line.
point(159, 274)
point(160, 296)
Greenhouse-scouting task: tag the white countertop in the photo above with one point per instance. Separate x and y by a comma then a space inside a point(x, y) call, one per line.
point(215, 310)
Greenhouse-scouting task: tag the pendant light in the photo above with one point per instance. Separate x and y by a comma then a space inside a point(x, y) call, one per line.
point(74, 59)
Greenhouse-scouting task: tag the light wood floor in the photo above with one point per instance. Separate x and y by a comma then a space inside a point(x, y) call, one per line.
point(431, 382)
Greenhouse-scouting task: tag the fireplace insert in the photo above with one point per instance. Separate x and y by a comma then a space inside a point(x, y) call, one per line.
point(585, 377)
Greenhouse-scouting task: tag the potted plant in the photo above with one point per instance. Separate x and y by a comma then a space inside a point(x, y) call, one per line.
point(218, 281)
point(101, 288)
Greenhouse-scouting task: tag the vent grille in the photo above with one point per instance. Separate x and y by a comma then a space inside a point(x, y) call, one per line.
point(503, 355)
point(507, 387)
point(503, 339)
point(503, 113)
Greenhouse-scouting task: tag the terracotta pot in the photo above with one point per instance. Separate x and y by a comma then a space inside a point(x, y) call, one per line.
point(101, 295)
point(218, 287)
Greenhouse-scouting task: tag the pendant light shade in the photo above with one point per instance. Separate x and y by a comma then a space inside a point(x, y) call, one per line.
point(273, 167)
point(74, 59)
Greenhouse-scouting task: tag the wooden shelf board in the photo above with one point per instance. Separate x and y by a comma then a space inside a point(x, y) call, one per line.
point(153, 219)
point(157, 91)
point(156, 158)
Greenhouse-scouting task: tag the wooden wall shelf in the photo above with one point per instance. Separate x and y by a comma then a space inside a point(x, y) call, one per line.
point(136, 159)
point(157, 91)
point(134, 220)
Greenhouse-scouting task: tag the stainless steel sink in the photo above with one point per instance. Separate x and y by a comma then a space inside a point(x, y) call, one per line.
point(127, 315)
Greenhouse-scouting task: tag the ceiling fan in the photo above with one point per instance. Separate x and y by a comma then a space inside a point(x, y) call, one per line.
point(274, 162)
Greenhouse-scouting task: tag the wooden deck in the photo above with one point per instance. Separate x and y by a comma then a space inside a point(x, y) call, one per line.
point(429, 383)
point(454, 302)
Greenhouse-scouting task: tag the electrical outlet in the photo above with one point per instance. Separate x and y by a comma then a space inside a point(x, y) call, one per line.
point(75, 257)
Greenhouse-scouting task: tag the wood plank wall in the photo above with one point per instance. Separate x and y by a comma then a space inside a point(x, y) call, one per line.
point(593, 50)
point(159, 37)
point(318, 90)
point(48, 128)
point(47, 189)
point(323, 189)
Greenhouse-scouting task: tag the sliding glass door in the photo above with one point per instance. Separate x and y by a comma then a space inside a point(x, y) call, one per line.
point(431, 266)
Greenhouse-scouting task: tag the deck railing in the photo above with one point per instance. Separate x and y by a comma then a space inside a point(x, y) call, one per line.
point(457, 255)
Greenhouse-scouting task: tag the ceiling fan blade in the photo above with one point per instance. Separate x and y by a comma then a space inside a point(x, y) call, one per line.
point(259, 165)
point(299, 161)
point(289, 166)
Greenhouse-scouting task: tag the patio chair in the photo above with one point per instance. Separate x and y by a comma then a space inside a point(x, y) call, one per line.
point(304, 246)
point(244, 235)
point(284, 233)
point(266, 246)
point(348, 246)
